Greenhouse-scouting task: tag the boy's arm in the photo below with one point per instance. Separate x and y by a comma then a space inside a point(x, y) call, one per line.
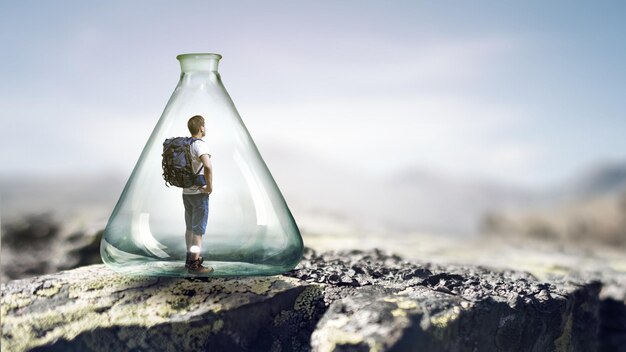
point(208, 173)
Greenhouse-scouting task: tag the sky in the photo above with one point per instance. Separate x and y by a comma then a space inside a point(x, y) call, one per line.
point(526, 93)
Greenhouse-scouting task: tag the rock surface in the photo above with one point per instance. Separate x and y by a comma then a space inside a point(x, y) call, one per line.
point(333, 301)
point(39, 244)
point(404, 306)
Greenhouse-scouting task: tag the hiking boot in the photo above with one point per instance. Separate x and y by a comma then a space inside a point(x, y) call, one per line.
point(195, 267)
point(188, 260)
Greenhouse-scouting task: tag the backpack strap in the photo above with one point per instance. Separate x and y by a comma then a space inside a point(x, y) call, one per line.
point(190, 141)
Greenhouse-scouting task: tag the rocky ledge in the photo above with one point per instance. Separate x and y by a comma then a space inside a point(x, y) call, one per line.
point(333, 301)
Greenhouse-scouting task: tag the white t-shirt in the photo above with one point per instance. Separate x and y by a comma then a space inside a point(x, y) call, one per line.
point(198, 148)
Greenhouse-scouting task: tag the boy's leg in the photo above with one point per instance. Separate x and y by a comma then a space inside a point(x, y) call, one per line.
point(188, 221)
point(188, 239)
point(188, 243)
point(196, 246)
point(200, 217)
point(195, 265)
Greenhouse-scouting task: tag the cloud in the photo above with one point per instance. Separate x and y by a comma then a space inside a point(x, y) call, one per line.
point(385, 134)
point(370, 60)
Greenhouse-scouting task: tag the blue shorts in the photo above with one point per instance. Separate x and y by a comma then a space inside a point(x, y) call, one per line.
point(196, 212)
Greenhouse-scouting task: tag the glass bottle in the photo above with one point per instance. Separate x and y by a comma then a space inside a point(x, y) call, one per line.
point(250, 229)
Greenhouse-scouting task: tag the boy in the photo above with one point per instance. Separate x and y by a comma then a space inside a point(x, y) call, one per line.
point(196, 198)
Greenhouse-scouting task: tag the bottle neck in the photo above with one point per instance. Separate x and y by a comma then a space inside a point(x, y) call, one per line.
point(190, 63)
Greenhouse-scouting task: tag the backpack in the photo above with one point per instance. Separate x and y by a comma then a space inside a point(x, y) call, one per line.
point(176, 163)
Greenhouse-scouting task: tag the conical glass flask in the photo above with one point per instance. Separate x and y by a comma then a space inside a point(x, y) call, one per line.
point(249, 230)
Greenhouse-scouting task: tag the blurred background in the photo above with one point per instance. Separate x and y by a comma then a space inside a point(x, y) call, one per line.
point(478, 132)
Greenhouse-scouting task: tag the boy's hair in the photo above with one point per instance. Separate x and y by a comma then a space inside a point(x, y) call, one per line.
point(194, 124)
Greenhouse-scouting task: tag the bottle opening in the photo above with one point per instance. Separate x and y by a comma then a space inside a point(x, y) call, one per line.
point(198, 62)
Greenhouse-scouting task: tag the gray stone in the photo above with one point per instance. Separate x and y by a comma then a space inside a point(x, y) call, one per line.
point(451, 308)
point(95, 309)
point(40, 244)
point(332, 301)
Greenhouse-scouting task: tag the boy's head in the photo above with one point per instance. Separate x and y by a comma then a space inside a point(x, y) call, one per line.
point(196, 125)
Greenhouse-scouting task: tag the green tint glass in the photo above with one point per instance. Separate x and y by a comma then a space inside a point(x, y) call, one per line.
point(250, 229)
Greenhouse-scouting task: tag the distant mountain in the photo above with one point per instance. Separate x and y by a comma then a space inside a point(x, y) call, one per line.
point(605, 179)
point(446, 204)
point(411, 200)
point(588, 210)
point(417, 199)
point(61, 194)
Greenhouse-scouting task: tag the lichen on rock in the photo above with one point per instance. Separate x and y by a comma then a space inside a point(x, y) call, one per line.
point(355, 300)
point(73, 308)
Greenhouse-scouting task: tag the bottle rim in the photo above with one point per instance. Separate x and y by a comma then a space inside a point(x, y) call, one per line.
point(199, 56)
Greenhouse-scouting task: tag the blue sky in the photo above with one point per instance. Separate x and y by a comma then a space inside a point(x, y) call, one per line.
point(527, 94)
